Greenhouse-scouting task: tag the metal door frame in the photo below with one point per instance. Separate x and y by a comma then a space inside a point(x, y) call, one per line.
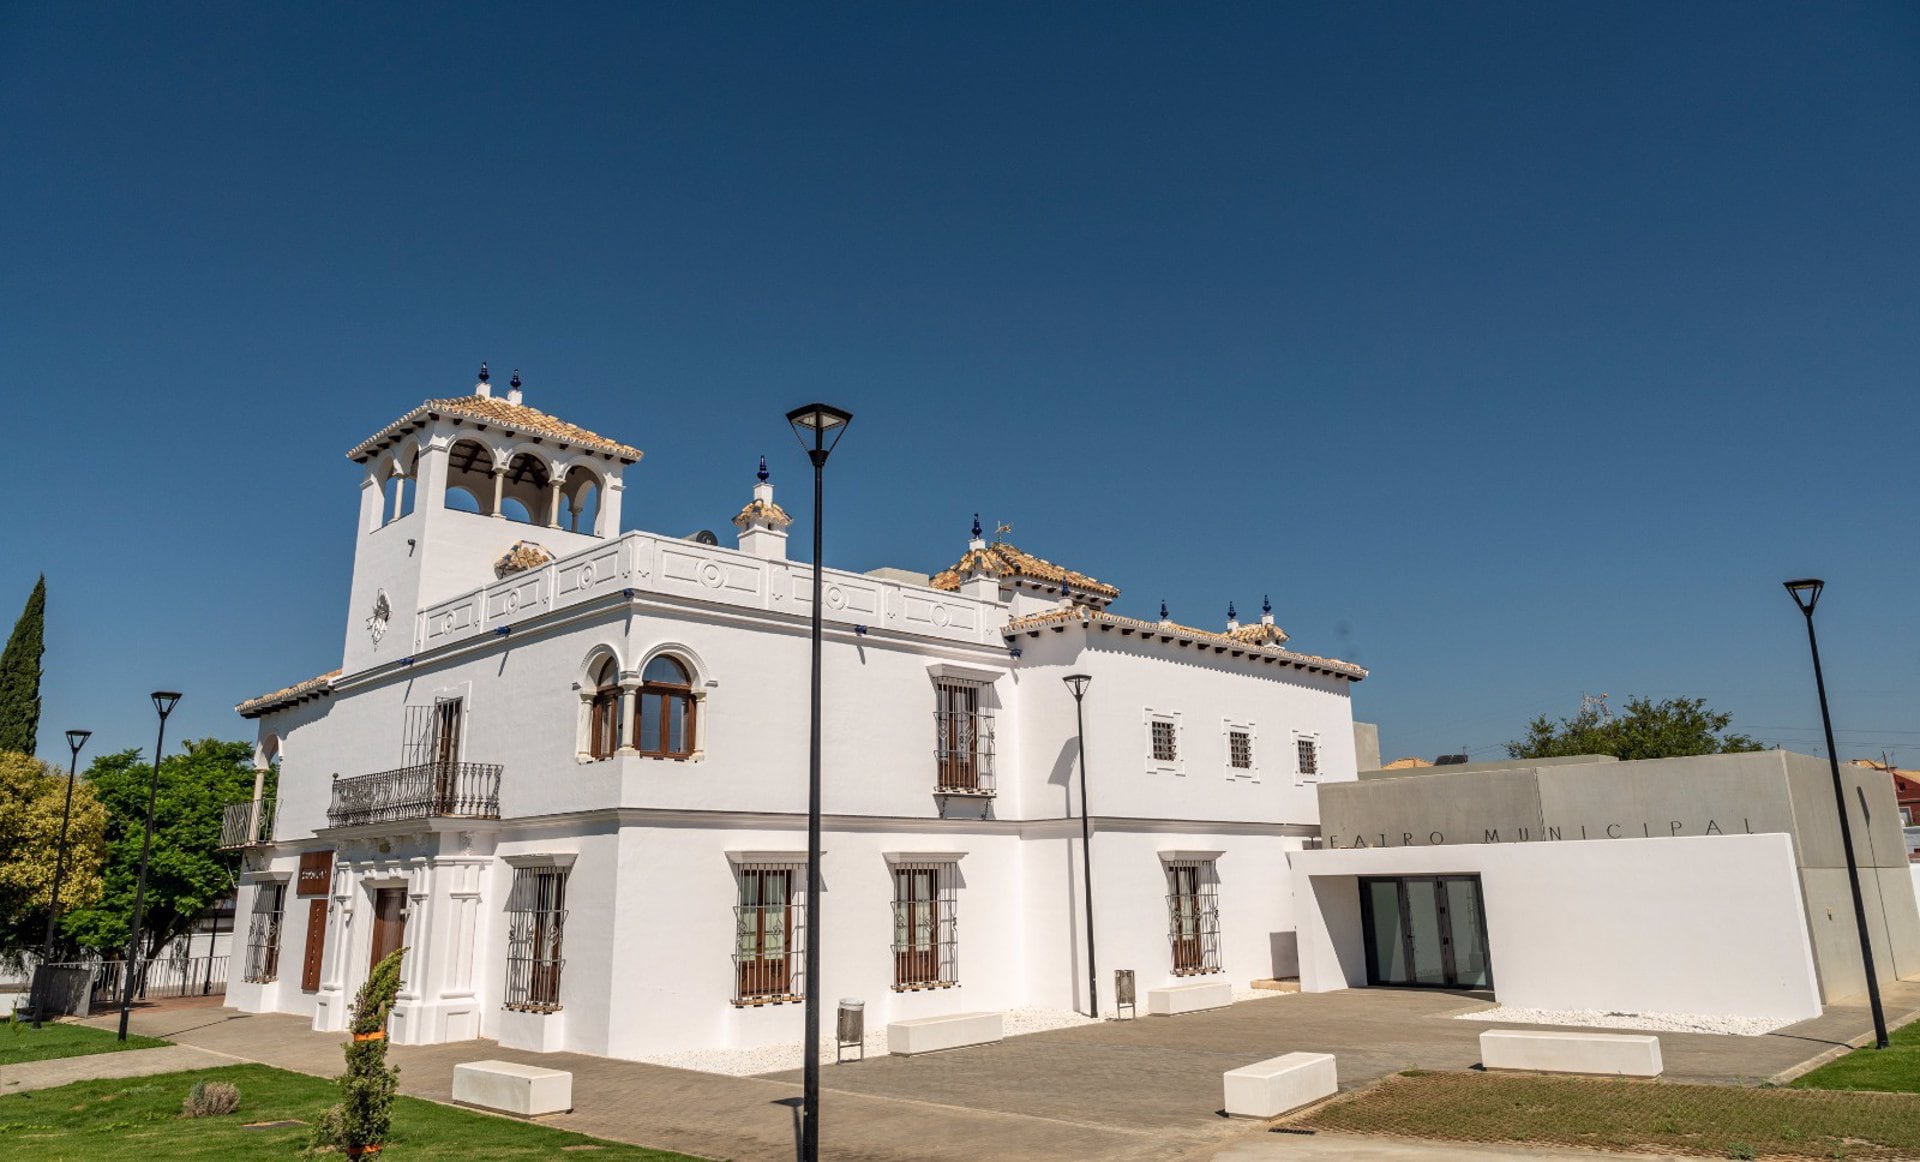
point(1450, 977)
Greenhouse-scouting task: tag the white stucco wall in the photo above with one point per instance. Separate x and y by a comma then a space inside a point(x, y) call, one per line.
point(1704, 925)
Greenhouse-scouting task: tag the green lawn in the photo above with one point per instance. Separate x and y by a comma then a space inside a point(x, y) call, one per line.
point(138, 1119)
point(1713, 1121)
point(1895, 1069)
point(20, 1041)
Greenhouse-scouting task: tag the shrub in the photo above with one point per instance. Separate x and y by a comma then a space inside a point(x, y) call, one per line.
point(210, 1099)
point(365, 1113)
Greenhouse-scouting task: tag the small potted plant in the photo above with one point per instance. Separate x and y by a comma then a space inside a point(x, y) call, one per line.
point(359, 1124)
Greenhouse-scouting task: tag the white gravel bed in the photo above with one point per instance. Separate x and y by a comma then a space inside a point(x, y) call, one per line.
point(1244, 993)
point(792, 1054)
point(1643, 1022)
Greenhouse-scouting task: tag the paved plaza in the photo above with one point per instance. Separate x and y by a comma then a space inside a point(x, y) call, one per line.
point(1136, 1090)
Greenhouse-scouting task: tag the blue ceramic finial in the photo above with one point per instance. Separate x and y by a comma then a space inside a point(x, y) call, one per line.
point(1163, 609)
point(763, 470)
point(1231, 615)
point(483, 373)
point(976, 526)
point(1266, 606)
point(515, 381)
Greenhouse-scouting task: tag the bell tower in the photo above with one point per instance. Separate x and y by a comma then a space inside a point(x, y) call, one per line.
point(459, 492)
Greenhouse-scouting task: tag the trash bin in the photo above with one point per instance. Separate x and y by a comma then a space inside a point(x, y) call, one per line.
point(852, 1029)
point(1123, 991)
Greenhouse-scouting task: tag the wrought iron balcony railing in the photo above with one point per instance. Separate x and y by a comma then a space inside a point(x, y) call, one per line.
point(240, 827)
point(426, 791)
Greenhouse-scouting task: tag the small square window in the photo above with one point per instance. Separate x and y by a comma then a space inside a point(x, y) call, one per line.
point(1164, 750)
point(1240, 750)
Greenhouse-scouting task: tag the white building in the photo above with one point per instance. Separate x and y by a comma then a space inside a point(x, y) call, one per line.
point(566, 768)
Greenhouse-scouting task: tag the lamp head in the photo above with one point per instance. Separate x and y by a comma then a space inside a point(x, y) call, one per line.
point(1078, 684)
point(819, 426)
point(163, 701)
point(77, 739)
point(1806, 593)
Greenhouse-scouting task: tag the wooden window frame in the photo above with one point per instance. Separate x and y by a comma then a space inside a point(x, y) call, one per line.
point(665, 695)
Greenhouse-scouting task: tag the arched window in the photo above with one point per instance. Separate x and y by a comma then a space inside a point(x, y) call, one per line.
point(665, 717)
point(603, 713)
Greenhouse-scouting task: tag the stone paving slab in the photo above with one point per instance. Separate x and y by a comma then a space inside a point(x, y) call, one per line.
point(31, 1075)
point(1144, 1090)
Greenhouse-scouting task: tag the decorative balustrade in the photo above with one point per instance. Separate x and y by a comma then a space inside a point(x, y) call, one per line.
point(240, 827)
point(424, 791)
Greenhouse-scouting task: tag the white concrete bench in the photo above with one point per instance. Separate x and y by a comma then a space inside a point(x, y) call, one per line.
point(507, 1086)
point(930, 1034)
point(1189, 998)
point(1622, 1054)
point(1267, 1089)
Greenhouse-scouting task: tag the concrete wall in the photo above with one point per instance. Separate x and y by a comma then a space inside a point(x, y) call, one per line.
point(1596, 924)
point(1763, 792)
point(1366, 746)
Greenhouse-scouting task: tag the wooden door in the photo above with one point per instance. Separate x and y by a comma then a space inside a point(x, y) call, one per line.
point(389, 922)
point(316, 944)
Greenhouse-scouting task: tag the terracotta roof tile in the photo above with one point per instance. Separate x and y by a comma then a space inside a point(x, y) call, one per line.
point(494, 410)
point(287, 696)
point(1001, 559)
point(1084, 615)
point(772, 513)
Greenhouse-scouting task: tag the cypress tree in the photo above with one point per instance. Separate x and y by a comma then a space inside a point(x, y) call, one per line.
point(20, 675)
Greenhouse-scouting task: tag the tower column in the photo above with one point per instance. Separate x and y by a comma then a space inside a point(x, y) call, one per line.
point(553, 504)
point(399, 482)
point(499, 489)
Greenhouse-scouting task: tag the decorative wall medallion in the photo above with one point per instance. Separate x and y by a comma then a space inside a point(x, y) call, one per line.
point(836, 597)
point(710, 575)
point(377, 621)
point(942, 616)
point(466, 843)
point(586, 575)
point(512, 601)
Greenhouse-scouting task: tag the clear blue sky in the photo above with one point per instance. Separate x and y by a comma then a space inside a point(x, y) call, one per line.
point(1517, 351)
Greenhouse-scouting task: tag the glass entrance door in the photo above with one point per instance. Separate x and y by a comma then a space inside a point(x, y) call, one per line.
point(1426, 931)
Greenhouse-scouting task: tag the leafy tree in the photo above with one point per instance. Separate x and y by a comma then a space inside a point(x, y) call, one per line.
point(1670, 728)
point(32, 796)
point(186, 871)
point(20, 675)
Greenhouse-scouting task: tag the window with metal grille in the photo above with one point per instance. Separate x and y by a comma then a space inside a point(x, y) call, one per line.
point(536, 918)
point(769, 953)
point(1193, 916)
point(1240, 750)
point(263, 933)
point(925, 953)
point(1309, 752)
point(1164, 746)
point(963, 739)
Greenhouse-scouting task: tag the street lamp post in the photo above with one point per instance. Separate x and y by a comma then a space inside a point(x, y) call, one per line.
point(163, 703)
point(1078, 683)
point(75, 740)
point(819, 427)
point(1806, 595)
